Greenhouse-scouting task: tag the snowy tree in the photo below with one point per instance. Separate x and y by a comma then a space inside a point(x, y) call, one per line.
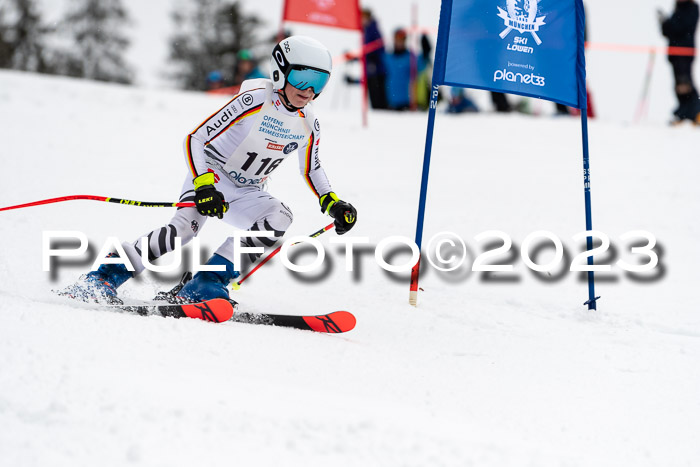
point(5, 44)
point(210, 35)
point(98, 42)
point(23, 37)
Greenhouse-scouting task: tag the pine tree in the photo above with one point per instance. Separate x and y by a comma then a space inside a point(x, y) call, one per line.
point(22, 37)
point(98, 42)
point(5, 44)
point(209, 38)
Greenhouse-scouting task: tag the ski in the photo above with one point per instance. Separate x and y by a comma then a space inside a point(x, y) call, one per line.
point(217, 310)
point(220, 310)
point(332, 323)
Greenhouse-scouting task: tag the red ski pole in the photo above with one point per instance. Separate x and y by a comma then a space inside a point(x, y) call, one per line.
point(145, 204)
point(237, 285)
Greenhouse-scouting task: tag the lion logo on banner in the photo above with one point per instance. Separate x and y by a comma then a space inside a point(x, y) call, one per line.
point(521, 15)
point(522, 10)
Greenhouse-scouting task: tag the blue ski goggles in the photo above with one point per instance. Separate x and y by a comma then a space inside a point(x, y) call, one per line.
point(302, 77)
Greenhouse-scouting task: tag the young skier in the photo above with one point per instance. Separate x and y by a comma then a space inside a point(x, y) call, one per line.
point(229, 157)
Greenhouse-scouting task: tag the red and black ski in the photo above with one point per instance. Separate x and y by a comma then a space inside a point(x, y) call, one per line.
point(220, 310)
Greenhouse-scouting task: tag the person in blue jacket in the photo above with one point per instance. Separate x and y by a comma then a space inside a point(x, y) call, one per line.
point(246, 67)
point(402, 67)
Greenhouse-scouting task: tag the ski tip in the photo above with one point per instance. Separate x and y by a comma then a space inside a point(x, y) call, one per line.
point(336, 322)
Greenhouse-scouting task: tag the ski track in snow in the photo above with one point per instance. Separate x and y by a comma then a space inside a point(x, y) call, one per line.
point(483, 372)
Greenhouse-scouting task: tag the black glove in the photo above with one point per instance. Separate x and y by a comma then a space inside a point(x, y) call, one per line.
point(345, 216)
point(209, 201)
point(344, 213)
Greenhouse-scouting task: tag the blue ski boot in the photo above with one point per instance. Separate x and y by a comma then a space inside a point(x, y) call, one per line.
point(207, 285)
point(100, 285)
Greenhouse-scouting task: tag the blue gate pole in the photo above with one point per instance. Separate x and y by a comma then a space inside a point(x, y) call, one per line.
point(591, 302)
point(413, 294)
point(583, 106)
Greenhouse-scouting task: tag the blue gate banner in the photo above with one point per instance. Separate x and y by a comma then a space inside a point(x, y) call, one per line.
point(529, 47)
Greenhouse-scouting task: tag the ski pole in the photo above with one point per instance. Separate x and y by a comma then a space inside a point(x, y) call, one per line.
point(145, 204)
point(237, 285)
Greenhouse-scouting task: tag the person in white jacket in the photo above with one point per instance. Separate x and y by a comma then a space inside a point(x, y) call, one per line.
point(229, 157)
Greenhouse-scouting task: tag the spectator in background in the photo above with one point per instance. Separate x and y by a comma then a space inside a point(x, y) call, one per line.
point(680, 29)
point(215, 80)
point(459, 102)
point(500, 102)
point(562, 109)
point(402, 67)
point(375, 72)
point(425, 77)
point(246, 68)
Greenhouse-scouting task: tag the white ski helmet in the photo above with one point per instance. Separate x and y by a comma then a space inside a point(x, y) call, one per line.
point(302, 62)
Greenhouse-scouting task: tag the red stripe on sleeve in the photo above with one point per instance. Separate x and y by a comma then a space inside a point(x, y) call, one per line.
point(190, 159)
point(309, 152)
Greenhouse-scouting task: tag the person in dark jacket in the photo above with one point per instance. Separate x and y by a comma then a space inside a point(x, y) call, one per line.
point(375, 69)
point(680, 29)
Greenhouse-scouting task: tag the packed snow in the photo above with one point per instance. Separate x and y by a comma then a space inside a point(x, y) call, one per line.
point(507, 369)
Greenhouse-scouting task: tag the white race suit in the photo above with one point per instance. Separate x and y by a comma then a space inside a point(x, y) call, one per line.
point(242, 144)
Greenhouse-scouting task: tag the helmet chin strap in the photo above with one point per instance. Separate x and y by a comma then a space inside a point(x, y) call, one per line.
point(287, 105)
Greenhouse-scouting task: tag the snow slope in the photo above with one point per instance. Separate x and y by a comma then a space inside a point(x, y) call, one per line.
point(506, 372)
